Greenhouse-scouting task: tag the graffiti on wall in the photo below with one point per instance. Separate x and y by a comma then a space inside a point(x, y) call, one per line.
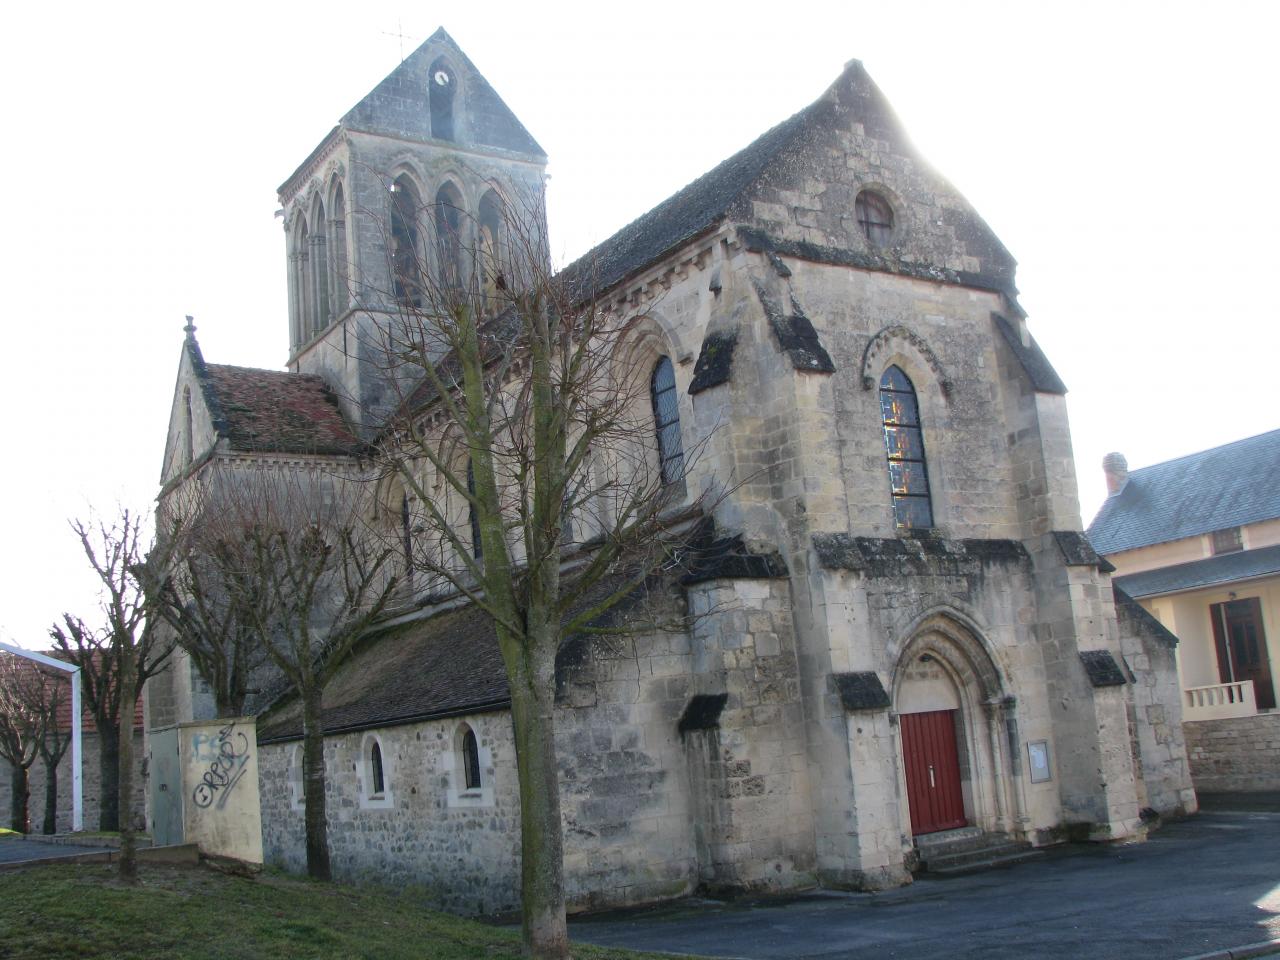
point(227, 753)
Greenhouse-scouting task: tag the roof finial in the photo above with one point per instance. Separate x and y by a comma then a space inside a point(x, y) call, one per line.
point(190, 328)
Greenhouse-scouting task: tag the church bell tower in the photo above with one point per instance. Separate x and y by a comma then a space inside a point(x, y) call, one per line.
point(429, 164)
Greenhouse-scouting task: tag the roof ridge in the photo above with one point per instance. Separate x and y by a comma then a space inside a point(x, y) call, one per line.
point(1200, 453)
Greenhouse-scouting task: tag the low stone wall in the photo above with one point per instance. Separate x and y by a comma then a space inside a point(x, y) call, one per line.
point(1237, 754)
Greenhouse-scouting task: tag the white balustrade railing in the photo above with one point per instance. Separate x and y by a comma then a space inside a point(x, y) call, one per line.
point(1219, 701)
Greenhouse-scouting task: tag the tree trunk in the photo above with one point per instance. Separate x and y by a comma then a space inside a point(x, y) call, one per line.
point(546, 934)
point(21, 786)
point(50, 797)
point(313, 787)
point(128, 843)
point(108, 776)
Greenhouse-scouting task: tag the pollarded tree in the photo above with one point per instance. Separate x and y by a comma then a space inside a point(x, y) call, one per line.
point(278, 563)
point(28, 708)
point(213, 598)
point(530, 476)
point(117, 658)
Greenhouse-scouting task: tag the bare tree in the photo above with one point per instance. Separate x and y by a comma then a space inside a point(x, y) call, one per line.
point(26, 714)
point(116, 659)
point(53, 746)
point(280, 564)
point(214, 600)
point(527, 468)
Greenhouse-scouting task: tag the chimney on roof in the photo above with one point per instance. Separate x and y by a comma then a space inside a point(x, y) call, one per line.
point(1116, 469)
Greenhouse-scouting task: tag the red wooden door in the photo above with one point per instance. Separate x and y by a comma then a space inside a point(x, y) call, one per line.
point(933, 771)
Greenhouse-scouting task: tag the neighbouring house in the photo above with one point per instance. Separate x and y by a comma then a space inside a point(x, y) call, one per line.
point(90, 766)
point(1196, 541)
point(907, 645)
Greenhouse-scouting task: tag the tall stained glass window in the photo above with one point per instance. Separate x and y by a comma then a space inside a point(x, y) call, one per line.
point(666, 420)
point(904, 443)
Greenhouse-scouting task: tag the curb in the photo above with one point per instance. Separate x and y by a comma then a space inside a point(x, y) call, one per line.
point(1260, 949)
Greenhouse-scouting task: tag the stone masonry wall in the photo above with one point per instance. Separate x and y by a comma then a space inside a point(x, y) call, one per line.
point(1240, 753)
point(92, 787)
point(425, 829)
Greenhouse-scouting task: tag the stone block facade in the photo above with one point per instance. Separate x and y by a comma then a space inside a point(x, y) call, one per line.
point(773, 741)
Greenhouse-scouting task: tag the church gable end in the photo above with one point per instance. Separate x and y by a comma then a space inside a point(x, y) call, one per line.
point(437, 94)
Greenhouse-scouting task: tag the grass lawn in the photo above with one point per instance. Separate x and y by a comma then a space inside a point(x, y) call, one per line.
point(74, 911)
point(6, 832)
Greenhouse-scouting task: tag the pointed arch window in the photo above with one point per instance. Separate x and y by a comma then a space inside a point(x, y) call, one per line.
point(339, 273)
point(300, 281)
point(406, 247)
point(375, 765)
point(904, 444)
point(471, 759)
point(318, 273)
point(666, 420)
point(449, 222)
point(490, 245)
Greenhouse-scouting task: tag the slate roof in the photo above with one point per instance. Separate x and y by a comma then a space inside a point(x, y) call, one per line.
point(689, 212)
point(274, 411)
point(1226, 568)
point(1228, 486)
point(444, 666)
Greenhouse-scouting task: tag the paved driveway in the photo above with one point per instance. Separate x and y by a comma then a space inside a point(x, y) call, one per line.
point(13, 850)
point(1205, 884)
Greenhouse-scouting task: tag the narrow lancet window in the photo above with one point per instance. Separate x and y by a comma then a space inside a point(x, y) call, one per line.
point(471, 759)
point(908, 477)
point(405, 246)
point(449, 238)
point(666, 420)
point(375, 762)
point(442, 85)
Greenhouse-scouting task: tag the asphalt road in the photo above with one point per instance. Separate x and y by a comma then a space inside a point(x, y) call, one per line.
point(1205, 884)
point(13, 850)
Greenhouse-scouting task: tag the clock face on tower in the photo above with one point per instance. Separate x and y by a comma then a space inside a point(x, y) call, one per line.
point(441, 78)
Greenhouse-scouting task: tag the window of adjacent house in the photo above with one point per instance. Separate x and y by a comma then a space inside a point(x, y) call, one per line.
point(1227, 541)
point(471, 759)
point(904, 444)
point(666, 420)
point(875, 217)
point(405, 245)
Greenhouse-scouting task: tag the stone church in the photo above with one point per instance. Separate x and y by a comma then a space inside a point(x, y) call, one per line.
point(908, 644)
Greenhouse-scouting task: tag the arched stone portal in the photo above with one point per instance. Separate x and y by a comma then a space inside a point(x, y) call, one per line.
point(948, 703)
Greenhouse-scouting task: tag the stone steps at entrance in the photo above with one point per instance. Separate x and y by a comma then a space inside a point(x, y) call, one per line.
point(968, 849)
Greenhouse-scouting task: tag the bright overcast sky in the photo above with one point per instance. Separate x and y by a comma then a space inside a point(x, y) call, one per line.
point(1126, 153)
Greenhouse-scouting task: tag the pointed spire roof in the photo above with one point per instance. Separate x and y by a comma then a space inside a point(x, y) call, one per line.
point(400, 104)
